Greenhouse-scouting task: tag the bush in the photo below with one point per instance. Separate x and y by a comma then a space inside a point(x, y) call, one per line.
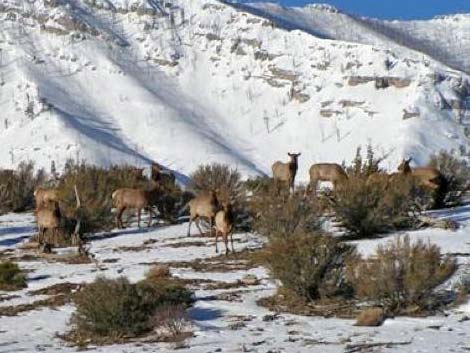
point(456, 173)
point(370, 317)
point(95, 186)
point(276, 215)
point(401, 276)
point(17, 187)
point(366, 208)
point(115, 308)
point(364, 167)
point(219, 177)
point(310, 265)
point(172, 323)
point(11, 276)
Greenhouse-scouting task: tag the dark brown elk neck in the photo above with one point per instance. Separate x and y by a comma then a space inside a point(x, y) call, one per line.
point(293, 165)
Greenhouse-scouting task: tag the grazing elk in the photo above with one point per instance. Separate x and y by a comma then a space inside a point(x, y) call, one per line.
point(45, 196)
point(134, 198)
point(224, 225)
point(161, 176)
point(286, 172)
point(331, 172)
point(205, 204)
point(427, 176)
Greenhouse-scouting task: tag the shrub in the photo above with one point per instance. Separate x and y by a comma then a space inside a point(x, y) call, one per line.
point(115, 308)
point(95, 186)
point(364, 166)
point(219, 177)
point(17, 187)
point(401, 276)
point(309, 265)
point(276, 215)
point(456, 173)
point(366, 208)
point(11, 276)
point(370, 317)
point(171, 323)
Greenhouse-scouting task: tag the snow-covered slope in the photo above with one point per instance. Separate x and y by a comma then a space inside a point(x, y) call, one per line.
point(193, 81)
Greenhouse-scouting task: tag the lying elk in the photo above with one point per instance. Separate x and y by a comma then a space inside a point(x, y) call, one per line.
point(286, 172)
point(427, 176)
point(161, 176)
point(45, 196)
point(206, 205)
point(224, 225)
point(331, 172)
point(134, 198)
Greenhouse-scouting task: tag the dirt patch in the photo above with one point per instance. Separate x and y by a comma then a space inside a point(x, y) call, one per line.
point(53, 302)
point(185, 244)
point(56, 289)
point(279, 303)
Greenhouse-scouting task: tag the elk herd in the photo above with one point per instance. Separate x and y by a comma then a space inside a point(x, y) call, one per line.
point(208, 204)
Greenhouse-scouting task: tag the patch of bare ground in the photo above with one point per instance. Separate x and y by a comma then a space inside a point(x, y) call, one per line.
point(60, 293)
point(288, 303)
point(185, 244)
point(238, 261)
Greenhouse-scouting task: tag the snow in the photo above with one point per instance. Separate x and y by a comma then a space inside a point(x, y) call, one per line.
point(203, 81)
point(232, 325)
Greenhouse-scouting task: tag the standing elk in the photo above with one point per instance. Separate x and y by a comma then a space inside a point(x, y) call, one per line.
point(134, 198)
point(45, 196)
point(331, 172)
point(205, 204)
point(49, 217)
point(224, 225)
point(286, 172)
point(427, 176)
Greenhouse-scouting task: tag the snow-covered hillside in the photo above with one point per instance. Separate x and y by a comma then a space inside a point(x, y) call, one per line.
point(185, 82)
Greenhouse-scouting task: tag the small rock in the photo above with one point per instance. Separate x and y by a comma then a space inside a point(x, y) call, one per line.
point(269, 317)
point(250, 280)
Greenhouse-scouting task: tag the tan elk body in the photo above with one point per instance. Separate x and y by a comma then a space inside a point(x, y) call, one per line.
point(427, 176)
point(138, 199)
point(45, 196)
point(224, 225)
point(206, 205)
point(48, 217)
point(286, 172)
point(331, 172)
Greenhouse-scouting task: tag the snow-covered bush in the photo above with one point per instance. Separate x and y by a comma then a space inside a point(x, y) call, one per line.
point(310, 265)
point(401, 275)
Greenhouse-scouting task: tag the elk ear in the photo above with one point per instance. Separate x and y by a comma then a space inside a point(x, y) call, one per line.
point(289, 154)
point(408, 160)
point(298, 154)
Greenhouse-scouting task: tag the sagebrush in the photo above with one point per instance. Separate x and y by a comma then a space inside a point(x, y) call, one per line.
point(401, 276)
point(11, 276)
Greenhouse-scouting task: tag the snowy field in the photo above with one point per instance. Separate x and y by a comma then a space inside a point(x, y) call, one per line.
point(225, 320)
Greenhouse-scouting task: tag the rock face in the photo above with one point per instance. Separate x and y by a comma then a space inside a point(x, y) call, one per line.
point(380, 82)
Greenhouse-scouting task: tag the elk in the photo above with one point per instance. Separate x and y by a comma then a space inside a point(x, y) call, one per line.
point(286, 172)
point(49, 217)
point(331, 172)
point(134, 198)
point(224, 225)
point(205, 204)
point(427, 176)
point(161, 176)
point(45, 196)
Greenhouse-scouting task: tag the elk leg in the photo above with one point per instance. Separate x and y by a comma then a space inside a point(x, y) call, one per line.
point(119, 218)
point(199, 226)
point(150, 216)
point(231, 240)
point(189, 226)
point(216, 239)
point(139, 211)
point(225, 235)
